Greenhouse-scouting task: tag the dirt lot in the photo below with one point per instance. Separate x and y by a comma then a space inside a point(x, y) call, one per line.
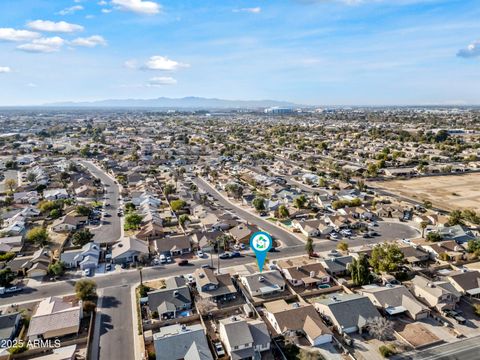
point(416, 334)
point(445, 192)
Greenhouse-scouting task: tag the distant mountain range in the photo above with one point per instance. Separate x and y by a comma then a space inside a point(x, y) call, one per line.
point(178, 103)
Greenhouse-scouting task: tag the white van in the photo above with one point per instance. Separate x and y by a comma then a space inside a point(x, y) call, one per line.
point(163, 259)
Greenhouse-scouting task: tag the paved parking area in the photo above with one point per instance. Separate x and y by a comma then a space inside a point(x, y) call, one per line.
point(472, 326)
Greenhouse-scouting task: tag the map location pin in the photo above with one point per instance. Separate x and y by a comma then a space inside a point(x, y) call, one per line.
point(261, 242)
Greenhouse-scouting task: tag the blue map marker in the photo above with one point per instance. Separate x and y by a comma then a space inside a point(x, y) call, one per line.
point(261, 242)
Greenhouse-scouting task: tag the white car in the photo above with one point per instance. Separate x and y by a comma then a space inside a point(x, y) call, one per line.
point(87, 272)
point(163, 259)
point(334, 236)
point(200, 254)
point(190, 278)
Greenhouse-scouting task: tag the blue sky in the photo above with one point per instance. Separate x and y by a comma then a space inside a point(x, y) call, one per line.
point(343, 52)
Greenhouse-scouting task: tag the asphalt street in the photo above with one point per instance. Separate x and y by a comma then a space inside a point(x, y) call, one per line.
point(468, 349)
point(285, 236)
point(110, 230)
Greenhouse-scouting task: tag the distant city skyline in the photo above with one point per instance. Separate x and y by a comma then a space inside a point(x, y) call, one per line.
point(312, 52)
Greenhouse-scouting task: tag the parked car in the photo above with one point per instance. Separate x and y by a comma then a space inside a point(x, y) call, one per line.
point(455, 316)
point(225, 255)
point(13, 289)
point(190, 279)
point(169, 259)
point(366, 236)
point(219, 348)
point(163, 259)
point(87, 272)
point(334, 236)
point(235, 254)
point(108, 267)
point(182, 262)
point(200, 254)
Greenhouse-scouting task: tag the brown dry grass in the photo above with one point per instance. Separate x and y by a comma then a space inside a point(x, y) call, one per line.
point(445, 192)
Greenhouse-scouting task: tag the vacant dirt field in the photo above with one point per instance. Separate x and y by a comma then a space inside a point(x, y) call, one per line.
point(445, 192)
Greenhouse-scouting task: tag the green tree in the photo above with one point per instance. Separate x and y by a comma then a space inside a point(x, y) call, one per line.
point(86, 289)
point(83, 210)
point(55, 213)
point(132, 221)
point(360, 270)
point(455, 218)
point(178, 205)
point(38, 236)
point(11, 184)
point(56, 269)
point(169, 189)
point(474, 246)
point(259, 203)
point(82, 237)
point(434, 236)
point(300, 201)
point(342, 246)
point(234, 190)
point(386, 257)
point(423, 226)
point(182, 219)
point(283, 212)
point(6, 277)
point(129, 207)
point(310, 246)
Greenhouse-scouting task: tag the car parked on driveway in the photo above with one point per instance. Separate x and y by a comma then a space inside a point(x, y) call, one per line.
point(455, 315)
point(182, 262)
point(225, 255)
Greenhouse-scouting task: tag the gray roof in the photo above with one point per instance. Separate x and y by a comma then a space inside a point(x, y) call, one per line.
point(177, 342)
point(237, 331)
point(350, 310)
point(266, 279)
point(7, 325)
point(176, 296)
point(337, 264)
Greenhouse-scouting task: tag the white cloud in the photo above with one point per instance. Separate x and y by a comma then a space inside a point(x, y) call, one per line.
point(106, 11)
point(71, 10)
point(253, 10)
point(138, 6)
point(9, 34)
point(163, 63)
point(472, 50)
point(5, 69)
point(51, 26)
point(43, 45)
point(131, 64)
point(102, 3)
point(90, 41)
point(161, 81)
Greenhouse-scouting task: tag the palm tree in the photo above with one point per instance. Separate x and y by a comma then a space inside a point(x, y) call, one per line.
point(309, 246)
point(423, 226)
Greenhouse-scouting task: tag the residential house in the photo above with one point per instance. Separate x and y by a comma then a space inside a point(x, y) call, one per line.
point(54, 318)
point(441, 295)
point(395, 299)
point(449, 248)
point(244, 339)
point(414, 255)
point(337, 265)
point(173, 245)
point(348, 312)
point(466, 282)
point(55, 194)
point(9, 326)
point(129, 249)
point(26, 197)
point(242, 232)
point(457, 233)
point(266, 283)
point(36, 266)
point(216, 288)
point(171, 300)
point(313, 227)
point(303, 271)
point(175, 342)
point(288, 319)
point(69, 223)
point(86, 257)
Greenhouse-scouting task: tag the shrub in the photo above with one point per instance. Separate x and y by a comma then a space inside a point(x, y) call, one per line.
point(386, 350)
